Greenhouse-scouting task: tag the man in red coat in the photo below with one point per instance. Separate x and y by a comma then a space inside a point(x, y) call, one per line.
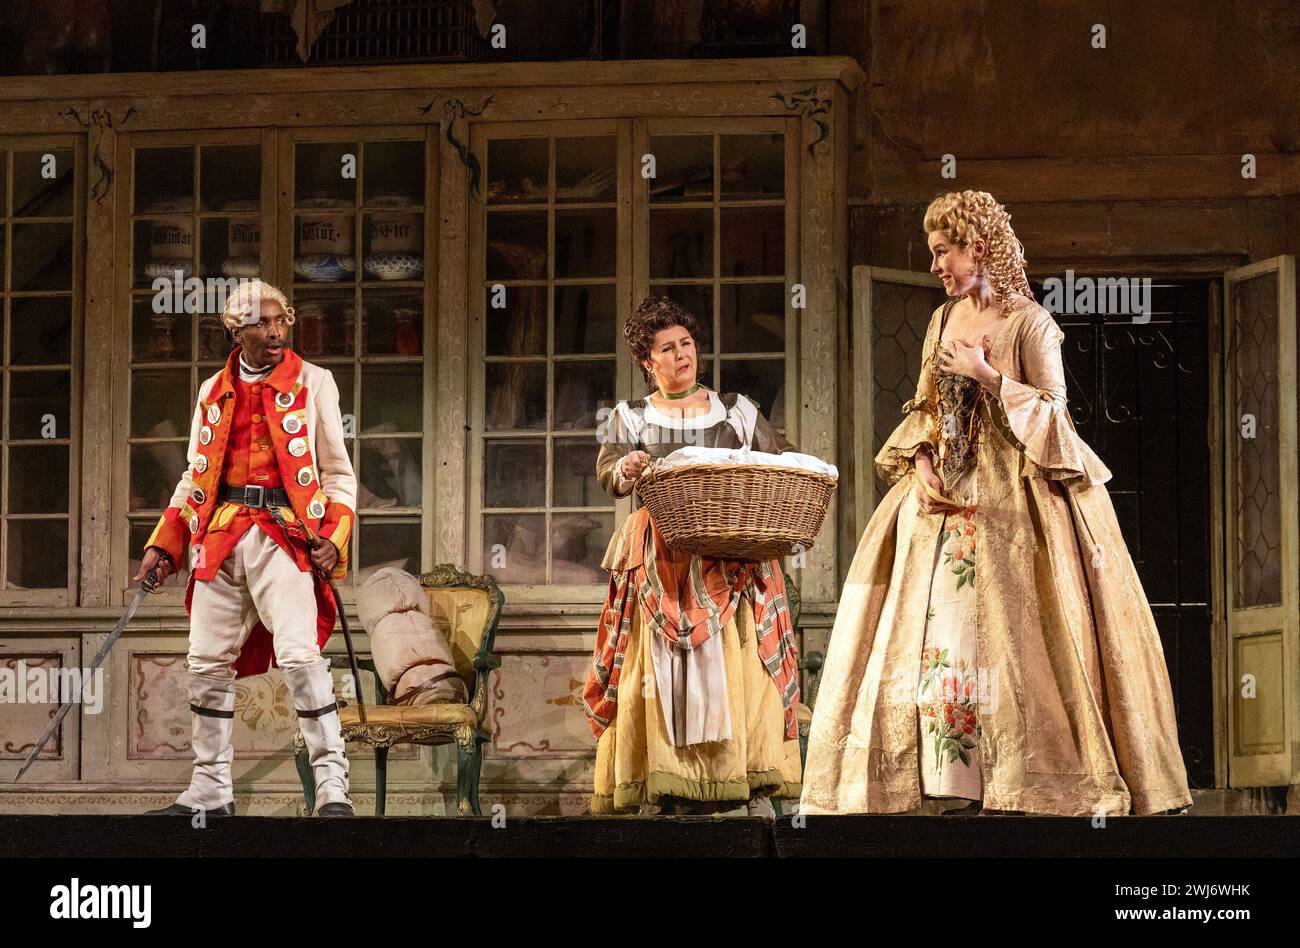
point(267, 432)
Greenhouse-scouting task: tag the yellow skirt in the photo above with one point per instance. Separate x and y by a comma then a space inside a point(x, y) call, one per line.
point(636, 764)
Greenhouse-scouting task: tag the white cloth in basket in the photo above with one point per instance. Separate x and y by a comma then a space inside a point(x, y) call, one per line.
point(742, 457)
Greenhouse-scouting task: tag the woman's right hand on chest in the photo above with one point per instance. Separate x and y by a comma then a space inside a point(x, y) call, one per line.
point(633, 464)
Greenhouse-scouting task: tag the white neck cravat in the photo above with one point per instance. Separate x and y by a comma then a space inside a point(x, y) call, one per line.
point(250, 374)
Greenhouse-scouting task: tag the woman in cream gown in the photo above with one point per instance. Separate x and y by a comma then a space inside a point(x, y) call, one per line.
point(994, 648)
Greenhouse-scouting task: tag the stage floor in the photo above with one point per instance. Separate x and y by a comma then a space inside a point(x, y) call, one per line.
point(839, 836)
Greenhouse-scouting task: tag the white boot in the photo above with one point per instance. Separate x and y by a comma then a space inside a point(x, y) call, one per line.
point(212, 703)
point(312, 688)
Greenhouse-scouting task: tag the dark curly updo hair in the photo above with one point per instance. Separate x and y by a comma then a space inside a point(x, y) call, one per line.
point(655, 314)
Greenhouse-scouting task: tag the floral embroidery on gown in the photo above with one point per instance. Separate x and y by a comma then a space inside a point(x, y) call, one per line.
point(948, 695)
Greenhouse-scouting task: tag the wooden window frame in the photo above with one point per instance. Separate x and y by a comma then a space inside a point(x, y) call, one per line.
point(68, 595)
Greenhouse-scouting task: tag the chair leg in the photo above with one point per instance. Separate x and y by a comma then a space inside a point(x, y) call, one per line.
point(477, 772)
point(381, 779)
point(306, 777)
point(469, 757)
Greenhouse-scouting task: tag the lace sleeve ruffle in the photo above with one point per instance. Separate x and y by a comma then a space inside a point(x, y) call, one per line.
point(917, 430)
point(1033, 413)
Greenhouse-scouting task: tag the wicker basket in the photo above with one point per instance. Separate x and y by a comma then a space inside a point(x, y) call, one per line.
point(732, 512)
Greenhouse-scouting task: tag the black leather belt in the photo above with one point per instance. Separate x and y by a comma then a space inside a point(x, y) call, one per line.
point(253, 495)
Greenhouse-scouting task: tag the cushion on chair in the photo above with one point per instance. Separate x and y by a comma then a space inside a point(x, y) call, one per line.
point(409, 651)
point(404, 718)
point(387, 591)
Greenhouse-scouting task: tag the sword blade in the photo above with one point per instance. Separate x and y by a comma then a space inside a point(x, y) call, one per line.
point(95, 662)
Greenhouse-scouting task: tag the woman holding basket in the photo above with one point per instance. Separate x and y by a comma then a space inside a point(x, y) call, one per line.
point(693, 684)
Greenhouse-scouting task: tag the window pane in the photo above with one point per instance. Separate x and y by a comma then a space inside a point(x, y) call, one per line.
point(39, 405)
point(40, 330)
point(390, 473)
point(681, 244)
point(38, 478)
point(696, 300)
point(517, 327)
point(585, 169)
point(764, 382)
point(214, 346)
point(325, 174)
point(392, 398)
point(585, 242)
point(581, 390)
point(43, 183)
point(753, 166)
point(514, 474)
point(394, 246)
point(514, 547)
point(42, 257)
point(584, 319)
point(387, 544)
point(515, 396)
point(155, 470)
point(324, 243)
point(164, 180)
point(517, 169)
point(38, 554)
point(574, 483)
point(159, 336)
point(164, 249)
point(753, 241)
point(230, 177)
point(578, 543)
point(393, 323)
point(394, 174)
point(516, 246)
point(753, 317)
point(324, 323)
point(160, 405)
point(683, 167)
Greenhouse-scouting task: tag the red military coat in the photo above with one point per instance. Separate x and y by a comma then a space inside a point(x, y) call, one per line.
point(285, 431)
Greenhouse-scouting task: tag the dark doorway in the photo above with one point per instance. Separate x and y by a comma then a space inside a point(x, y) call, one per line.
point(1139, 395)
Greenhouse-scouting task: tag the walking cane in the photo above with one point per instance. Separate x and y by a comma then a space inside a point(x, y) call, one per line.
point(338, 605)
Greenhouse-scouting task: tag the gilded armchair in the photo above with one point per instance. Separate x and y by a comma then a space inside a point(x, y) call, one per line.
point(467, 609)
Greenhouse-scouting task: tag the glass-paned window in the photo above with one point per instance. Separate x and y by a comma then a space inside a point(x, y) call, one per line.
point(359, 290)
point(196, 230)
point(548, 334)
point(717, 246)
point(40, 260)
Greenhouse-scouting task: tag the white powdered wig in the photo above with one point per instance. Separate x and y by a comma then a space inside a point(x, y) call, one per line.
point(243, 306)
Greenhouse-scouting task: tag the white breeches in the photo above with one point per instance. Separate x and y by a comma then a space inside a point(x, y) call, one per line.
point(257, 580)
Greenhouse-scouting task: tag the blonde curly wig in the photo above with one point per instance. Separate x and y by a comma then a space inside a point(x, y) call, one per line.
point(963, 217)
point(246, 299)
